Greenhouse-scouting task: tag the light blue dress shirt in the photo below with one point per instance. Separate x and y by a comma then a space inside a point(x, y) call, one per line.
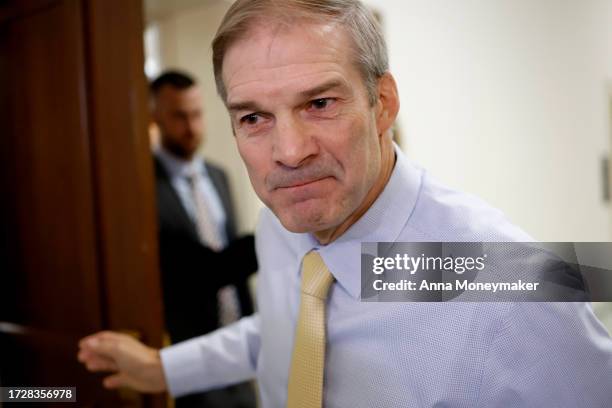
point(178, 172)
point(404, 354)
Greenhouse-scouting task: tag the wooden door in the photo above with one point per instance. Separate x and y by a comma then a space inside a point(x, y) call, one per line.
point(78, 250)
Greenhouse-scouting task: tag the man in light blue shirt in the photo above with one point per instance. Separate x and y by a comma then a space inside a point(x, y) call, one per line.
point(312, 104)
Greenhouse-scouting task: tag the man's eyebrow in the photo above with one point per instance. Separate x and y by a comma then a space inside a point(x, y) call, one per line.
point(242, 106)
point(326, 86)
point(309, 93)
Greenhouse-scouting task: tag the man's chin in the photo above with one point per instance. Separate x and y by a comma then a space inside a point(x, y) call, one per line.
point(303, 224)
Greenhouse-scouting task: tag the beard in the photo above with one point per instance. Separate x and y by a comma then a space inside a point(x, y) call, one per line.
point(180, 150)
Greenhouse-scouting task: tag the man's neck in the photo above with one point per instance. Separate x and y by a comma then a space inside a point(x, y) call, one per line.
point(386, 168)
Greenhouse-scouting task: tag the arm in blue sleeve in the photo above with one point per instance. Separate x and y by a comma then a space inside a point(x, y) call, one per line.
point(223, 357)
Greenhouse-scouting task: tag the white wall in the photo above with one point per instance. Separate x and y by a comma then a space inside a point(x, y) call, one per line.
point(507, 99)
point(510, 100)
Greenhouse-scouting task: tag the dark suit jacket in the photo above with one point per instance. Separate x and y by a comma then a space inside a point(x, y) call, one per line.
point(192, 273)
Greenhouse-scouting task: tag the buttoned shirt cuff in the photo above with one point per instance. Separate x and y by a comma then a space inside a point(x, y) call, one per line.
point(223, 357)
point(183, 368)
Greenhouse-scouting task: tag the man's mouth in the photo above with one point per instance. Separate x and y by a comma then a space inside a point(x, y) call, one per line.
point(301, 183)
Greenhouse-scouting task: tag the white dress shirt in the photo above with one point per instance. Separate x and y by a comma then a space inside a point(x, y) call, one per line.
point(404, 354)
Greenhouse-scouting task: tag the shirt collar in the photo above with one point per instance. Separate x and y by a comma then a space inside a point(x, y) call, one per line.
point(382, 222)
point(177, 167)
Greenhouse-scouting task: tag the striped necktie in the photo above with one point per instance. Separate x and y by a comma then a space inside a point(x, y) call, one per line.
point(227, 297)
point(207, 230)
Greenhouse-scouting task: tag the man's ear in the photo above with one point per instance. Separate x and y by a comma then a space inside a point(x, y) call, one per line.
point(388, 103)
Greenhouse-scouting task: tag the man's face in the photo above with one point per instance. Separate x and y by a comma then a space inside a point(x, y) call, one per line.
point(303, 123)
point(178, 114)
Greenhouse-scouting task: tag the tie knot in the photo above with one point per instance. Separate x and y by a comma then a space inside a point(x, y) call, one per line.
point(192, 174)
point(316, 278)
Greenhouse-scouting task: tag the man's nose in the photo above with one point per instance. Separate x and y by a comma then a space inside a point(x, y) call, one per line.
point(293, 142)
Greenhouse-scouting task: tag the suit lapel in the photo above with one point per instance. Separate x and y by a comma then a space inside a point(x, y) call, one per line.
point(169, 199)
point(219, 182)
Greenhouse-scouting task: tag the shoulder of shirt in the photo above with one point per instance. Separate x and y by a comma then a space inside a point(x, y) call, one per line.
point(440, 214)
point(444, 214)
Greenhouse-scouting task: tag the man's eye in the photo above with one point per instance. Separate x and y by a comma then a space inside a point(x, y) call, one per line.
point(321, 103)
point(251, 119)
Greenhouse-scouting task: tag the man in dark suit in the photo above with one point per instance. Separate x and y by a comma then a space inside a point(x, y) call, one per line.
point(204, 264)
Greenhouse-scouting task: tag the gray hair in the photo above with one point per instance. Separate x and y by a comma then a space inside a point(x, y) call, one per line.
point(369, 48)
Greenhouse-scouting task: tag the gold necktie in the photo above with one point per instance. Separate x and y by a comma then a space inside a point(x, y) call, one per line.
point(307, 362)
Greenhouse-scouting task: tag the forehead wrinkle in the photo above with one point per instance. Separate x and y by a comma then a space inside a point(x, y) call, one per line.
point(273, 72)
point(329, 75)
point(311, 31)
point(269, 34)
point(275, 34)
point(275, 66)
point(290, 78)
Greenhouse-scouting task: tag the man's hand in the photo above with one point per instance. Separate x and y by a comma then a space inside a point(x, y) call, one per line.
point(134, 365)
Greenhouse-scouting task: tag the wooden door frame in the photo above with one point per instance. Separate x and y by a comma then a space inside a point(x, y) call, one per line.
point(113, 94)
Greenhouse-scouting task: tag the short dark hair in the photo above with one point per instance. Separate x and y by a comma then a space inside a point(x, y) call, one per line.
point(176, 79)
